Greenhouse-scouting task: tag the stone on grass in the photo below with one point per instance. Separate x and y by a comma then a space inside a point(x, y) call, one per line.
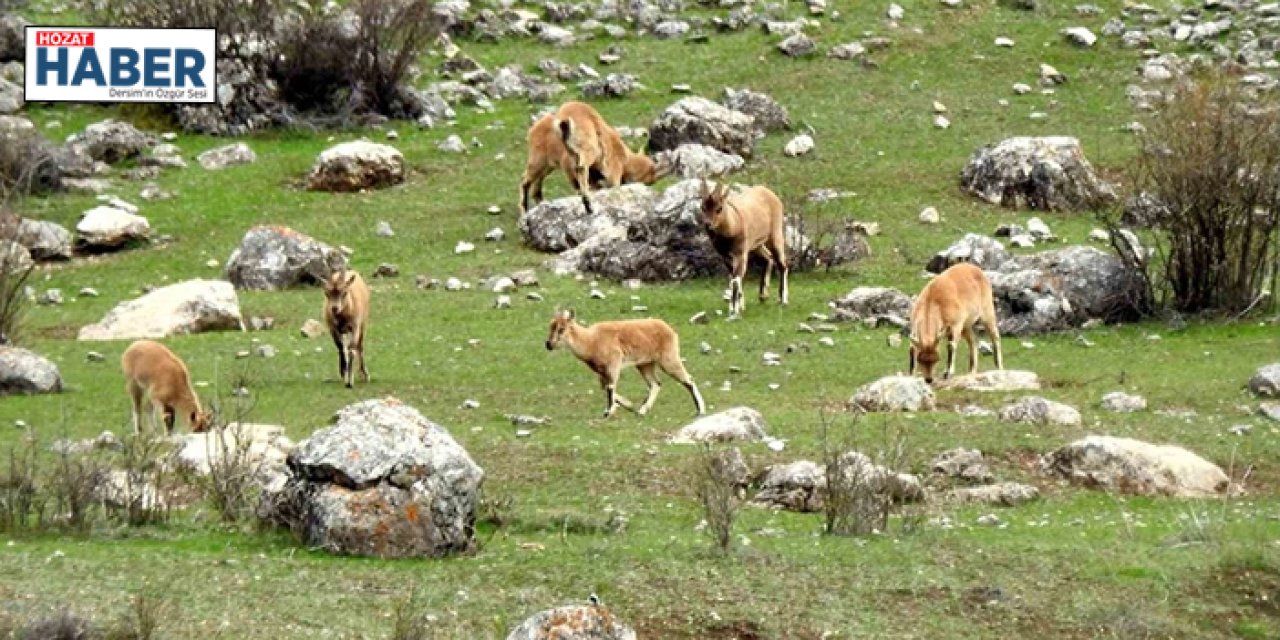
point(992, 380)
point(768, 115)
point(26, 372)
point(383, 481)
point(962, 464)
point(1121, 402)
point(1062, 289)
point(1266, 381)
point(698, 161)
point(799, 146)
point(45, 240)
point(356, 166)
point(983, 251)
point(106, 228)
point(700, 121)
point(260, 448)
point(739, 424)
point(111, 141)
point(272, 257)
point(1003, 494)
point(1079, 36)
point(1046, 173)
point(894, 393)
point(573, 622)
point(194, 306)
point(802, 485)
point(1125, 465)
point(1037, 410)
point(798, 46)
point(883, 304)
point(227, 156)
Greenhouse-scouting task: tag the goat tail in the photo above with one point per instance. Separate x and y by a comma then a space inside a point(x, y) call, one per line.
point(565, 125)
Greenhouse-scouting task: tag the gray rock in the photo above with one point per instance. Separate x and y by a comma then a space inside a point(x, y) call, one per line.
point(739, 424)
point(1062, 289)
point(798, 146)
point(962, 464)
point(798, 46)
point(1270, 410)
point(993, 380)
point(276, 257)
point(262, 448)
point(614, 85)
point(1049, 173)
point(701, 121)
point(12, 97)
point(383, 481)
point(193, 306)
point(894, 393)
point(668, 29)
point(884, 304)
point(107, 228)
point(698, 161)
point(977, 249)
point(574, 622)
point(1266, 381)
point(26, 372)
point(12, 36)
point(768, 116)
point(110, 141)
point(1124, 465)
point(227, 156)
point(1004, 494)
point(848, 51)
point(1080, 36)
point(14, 258)
point(1121, 402)
point(802, 486)
point(45, 240)
point(1037, 410)
point(356, 166)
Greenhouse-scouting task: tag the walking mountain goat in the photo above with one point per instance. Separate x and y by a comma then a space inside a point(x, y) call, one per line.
point(743, 224)
point(607, 347)
point(577, 140)
point(346, 311)
point(950, 305)
point(152, 371)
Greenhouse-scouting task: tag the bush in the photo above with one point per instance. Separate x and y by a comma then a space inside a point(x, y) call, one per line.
point(22, 504)
point(860, 496)
point(1211, 159)
point(717, 478)
point(28, 164)
point(15, 268)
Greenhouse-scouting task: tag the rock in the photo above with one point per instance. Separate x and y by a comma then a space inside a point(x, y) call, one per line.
point(44, 240)
point(700, 121)
point(895, 12)
point(1037, 410)
point(1121, 402)
point(1270, 410)
point(312, 328)
point(385, 270)
point(452, 144)
point(847, 51)
point(798, 46)
point(698, 161)
point(12, 97)
point(1006, 43)
point(260, 448)
point(50, 297)
point(739, 424)
point(994, 380)
point(1124, 465)
point(668, 29)
point(1049, 173)
point(799, 145)
point(802, 485)
point(105, 441)
point(194, 306)
point(1050, 76)
point(227, 156)
point(1004, 494)
point(383, 481)
point(106, 228)
point(26, 372)
point(962, 464)
point(383, 229)
point(12, 36)
point(356, 166)
point(614, 85)
point(894, 393)
point(574, 622)
point(1266, 381)
point(110, 141)
point(930, 216)
point(495, 234)
point(14, 258)
point(276, 257)
point(768, 116)
point(883, 304)
point(1079, 36)
point(1063, 288)
point(980, 250)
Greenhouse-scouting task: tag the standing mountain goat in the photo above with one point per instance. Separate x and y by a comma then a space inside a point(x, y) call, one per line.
point(576, 140)
point(742, 224)
point(607, 347)
point(346, 311)
point(152, 371)
point(950, 304)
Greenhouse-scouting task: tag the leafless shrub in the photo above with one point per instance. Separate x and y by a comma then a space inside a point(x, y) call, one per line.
point(73, 487)
point(718, 477)
point(822, 243)
point(15, 269)
point(63, 625)
point(408, 622)
point(142, 619)
point(141, 492)
point(22, 504)
point(1211, 160)
point(233, 483)
point(28, 164)
point(861, 490)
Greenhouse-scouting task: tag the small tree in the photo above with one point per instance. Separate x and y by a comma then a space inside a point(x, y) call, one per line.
point(1210, 159)
point(860, 491)
point(718, 477)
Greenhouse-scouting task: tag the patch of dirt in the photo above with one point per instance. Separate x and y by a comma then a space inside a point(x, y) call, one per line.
point(736, 630)
point(58, 332)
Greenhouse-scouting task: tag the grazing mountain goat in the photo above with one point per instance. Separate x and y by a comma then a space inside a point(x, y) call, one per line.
point(346, 311)
point(607, 347)
point(951, 303)
point(576, 140)
point(742, 224)
point(153, 371)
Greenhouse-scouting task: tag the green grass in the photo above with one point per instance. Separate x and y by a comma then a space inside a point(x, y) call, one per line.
point(1073, 565)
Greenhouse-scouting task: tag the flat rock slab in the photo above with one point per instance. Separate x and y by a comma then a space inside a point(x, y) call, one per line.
point(894, 393)
point(1037, 410)
point(739, 424)
point(1125, 465)
point(1004, 494)
point(995, 380)
point(194, 306)
point(577, 622)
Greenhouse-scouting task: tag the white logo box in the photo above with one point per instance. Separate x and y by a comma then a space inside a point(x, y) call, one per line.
point(114, 64)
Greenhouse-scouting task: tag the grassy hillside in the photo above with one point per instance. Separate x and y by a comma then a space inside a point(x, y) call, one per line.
point(1075, 564)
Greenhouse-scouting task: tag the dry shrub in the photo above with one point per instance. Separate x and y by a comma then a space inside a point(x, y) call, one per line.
point(233, 485)
point(22, 504)
point(860, 495)
point(73, 488)
point(718, 477)
point(15, 269)
point(1211, 158)
point(142, 492)
point(28, 164)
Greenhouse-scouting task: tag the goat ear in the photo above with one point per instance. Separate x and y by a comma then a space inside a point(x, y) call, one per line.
point(351, 277)
point(703, 191)
point(570, 315)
